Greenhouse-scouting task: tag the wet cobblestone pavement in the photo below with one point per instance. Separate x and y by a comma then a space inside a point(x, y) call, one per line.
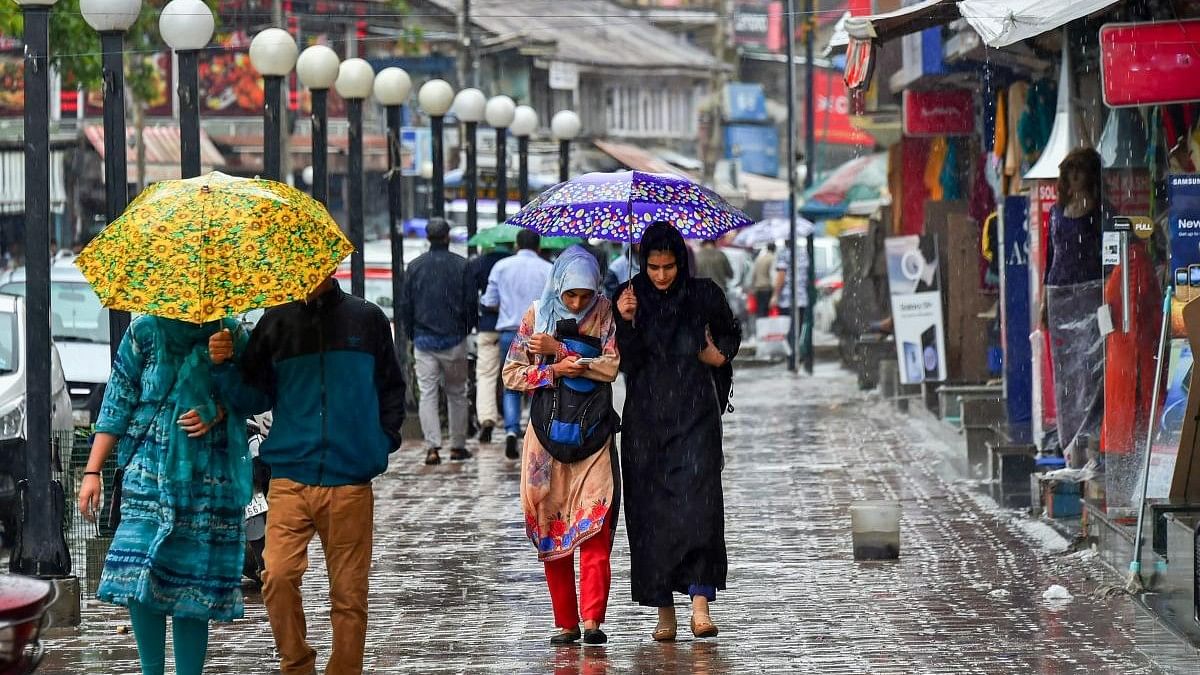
point(457, 589)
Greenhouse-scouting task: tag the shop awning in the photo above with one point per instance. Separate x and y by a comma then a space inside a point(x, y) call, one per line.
point(162, 152)
point(1003, 22)
point(638, 159)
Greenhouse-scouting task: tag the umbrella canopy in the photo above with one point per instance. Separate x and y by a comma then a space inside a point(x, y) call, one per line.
point(769, 230)
point(857, 185)
point(507, 234)
point(214, 246)
point(619, 206)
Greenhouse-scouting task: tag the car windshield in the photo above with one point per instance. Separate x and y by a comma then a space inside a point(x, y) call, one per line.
point(9, 347)
point(75, 312)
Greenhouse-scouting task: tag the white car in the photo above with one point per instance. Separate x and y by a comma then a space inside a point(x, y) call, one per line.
point(79, 326)
point(12, 403)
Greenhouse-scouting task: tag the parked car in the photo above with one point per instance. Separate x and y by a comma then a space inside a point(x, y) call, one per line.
point(12, 404)
point(79, 326)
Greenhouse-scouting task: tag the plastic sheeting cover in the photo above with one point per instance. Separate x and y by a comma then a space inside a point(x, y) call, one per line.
point(1003, 22)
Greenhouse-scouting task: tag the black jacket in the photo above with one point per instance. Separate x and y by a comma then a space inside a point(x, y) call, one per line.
point(439, 296)
point(329, 372)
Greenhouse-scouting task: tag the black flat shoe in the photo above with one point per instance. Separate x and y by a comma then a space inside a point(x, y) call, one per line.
point(594, 636)
point(565, 638)
point(459, 454)
point(510, 447)
point(432, 457)
point(485, 434)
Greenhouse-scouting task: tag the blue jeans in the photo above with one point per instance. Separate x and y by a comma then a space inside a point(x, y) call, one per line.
point(512, 399)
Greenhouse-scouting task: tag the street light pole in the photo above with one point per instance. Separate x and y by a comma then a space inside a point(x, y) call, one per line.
point(392, 87)
point(469, 107)
point(41, 550)
point(317, 68)
point(273, 54)
point(435, 98)
point(810, 158)
point(112, 18)
point(565, 125)
point(187, 26)
point(354, 83)
point(499, 114)
point(794, 329)
point(525, 121)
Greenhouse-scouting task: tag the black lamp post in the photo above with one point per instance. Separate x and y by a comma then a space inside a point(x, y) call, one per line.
point(111, 18)
point(392, 87)
point(317, 69)
point(40, 549)
point(565, 126)
point(499, 115)
point(525, 121)
point(187, 26)
point(354, 83)
point(273, 54)
point(435, 98)
point(469, 107)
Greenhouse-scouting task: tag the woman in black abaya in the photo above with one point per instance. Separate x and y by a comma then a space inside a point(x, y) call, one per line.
point(677, 337)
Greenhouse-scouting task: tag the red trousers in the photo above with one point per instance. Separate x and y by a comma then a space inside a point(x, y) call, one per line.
point(595, 576)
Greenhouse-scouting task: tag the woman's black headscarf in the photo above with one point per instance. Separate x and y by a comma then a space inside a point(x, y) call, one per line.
point(660, 314)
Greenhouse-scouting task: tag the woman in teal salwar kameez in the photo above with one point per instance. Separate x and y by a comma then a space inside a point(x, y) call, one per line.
point(178, 549)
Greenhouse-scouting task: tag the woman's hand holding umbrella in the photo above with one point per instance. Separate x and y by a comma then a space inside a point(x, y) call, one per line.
point(627, 304)
point(220, 347)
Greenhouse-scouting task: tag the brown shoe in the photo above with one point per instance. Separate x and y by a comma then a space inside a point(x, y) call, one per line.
point(702, 625)
point(665, 631)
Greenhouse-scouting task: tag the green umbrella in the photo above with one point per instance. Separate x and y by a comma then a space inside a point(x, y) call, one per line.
point(507, 234)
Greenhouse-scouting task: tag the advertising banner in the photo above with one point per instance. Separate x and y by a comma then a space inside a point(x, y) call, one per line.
point(1150, 63)
point(415, 149)
point(1169, 424)
point(913, 279)
point(756, 146)
point(942, 112)
point(1014, 290)
point(1183, 193)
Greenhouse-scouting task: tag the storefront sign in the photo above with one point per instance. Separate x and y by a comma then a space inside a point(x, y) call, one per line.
point(942, 112)
point(415, 149)
point(913, 279)
point(756, 146)
point(1150, 63)
point(1014, 290)
point(564, 76)
point(751, 23)
point(745, 102)
point(832, 123)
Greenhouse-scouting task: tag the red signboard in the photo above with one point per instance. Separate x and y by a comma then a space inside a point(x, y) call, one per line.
point(942, 112)
point(1150, 63)
point(832, 121)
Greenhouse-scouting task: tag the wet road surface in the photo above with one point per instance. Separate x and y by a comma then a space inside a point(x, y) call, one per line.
point(456, 588)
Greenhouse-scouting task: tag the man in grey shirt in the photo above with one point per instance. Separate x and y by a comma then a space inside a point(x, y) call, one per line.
point(514, 284)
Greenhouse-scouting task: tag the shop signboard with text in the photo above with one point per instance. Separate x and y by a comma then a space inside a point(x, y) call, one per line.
point(916, 298)
point(1150, 63)
point(756, 146)
point(940, 112)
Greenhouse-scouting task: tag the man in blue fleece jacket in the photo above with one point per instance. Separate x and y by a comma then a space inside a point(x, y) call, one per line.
point(327, 368)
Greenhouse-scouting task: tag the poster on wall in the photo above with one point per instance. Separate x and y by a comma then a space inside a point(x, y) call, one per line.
point(229, 84)
point(1169, 425)
point(12, 85)
point(913, 279)
point(1183, 194)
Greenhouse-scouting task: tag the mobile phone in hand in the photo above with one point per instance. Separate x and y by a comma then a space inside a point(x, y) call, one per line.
point(584, 361)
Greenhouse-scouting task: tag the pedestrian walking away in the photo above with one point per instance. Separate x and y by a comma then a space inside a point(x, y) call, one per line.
point(327, 369)
point(712, 263)
point(438, 306)
point(487, 347)
point(676, 336)
point(763, 280)
point(177, 550)
point(514, 284)
point(781, 297)
point(566, 346)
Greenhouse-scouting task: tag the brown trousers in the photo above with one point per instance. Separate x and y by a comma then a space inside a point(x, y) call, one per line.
point(343, 517)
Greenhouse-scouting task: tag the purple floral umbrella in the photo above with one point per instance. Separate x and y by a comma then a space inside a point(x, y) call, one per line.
point(620, 206)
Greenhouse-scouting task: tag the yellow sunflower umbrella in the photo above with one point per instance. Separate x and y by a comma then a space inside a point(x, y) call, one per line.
point(204, 248)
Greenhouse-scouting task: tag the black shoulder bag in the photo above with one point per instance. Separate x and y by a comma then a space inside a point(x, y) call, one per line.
point(574, 419)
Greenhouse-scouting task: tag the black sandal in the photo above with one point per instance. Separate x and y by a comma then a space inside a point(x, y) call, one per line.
point(432, 457)
point(566, 638)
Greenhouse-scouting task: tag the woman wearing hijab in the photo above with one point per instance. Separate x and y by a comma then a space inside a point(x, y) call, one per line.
point(572, 505)
point(178, 548)
point(677, 337)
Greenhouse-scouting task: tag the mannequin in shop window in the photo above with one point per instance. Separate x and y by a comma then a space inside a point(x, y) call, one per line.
point(1073, 290)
